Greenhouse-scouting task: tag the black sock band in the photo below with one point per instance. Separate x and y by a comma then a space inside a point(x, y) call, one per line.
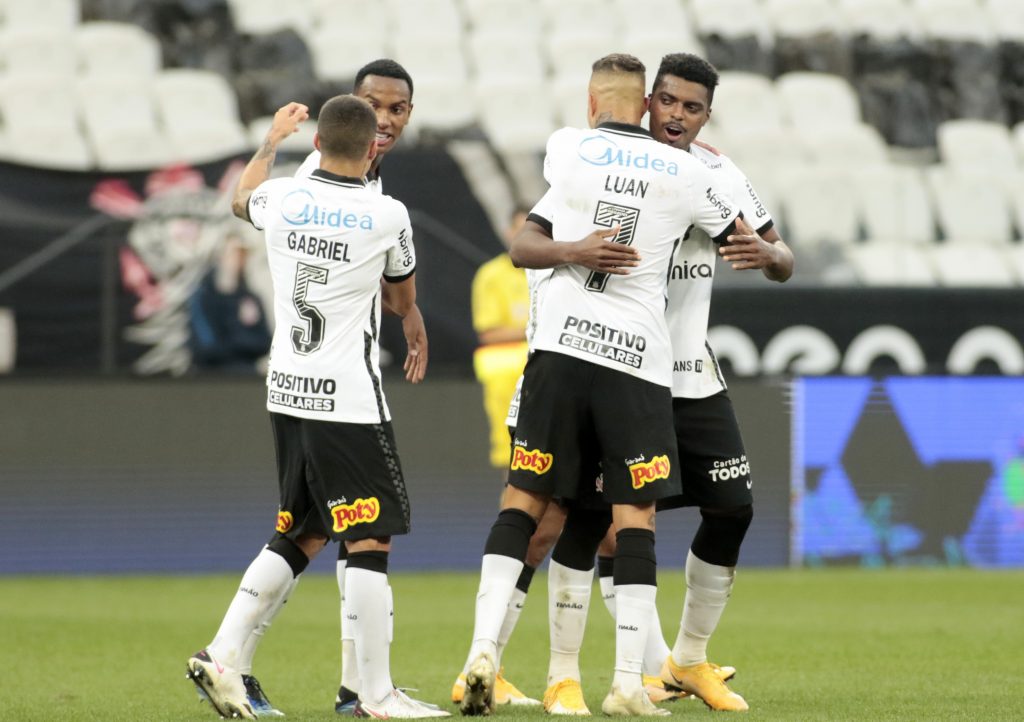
point(605, 566)
point(374, 561)
point(581, 536)
point(510, 534)
point(525, 577)
point(290, 552)
point(635, 562)
point(342, 552)
point(720, 535)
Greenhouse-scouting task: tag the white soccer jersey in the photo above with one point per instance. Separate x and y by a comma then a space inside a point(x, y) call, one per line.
point(312, 162)
point(330, 239)
point(695, 370)
point(618, 175)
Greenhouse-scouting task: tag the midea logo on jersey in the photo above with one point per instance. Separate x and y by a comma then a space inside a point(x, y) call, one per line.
point(299, 208)
point(602, 151)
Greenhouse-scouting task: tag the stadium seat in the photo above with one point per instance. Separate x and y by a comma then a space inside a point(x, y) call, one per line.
point(29, 50)
point(956, 20)
point(425, 53)
point(855, 145)
point(971, 206)
point(977, 144)
point(116, 49)
point(300, 143)
point(503, 15)
point(971, 266)
point(343, 16)
point(653, 42)
point(1007, 17)
point(893, 202)
point(1013, 186)
point(516, 115)
point(200, 114)
point(489, 53)
point(48, 14)
point(730, 18)
point(818, 207)
point(259, 17)
point(442, 104)
point(569, 98)
point(880, 19)
point(571, 50)
point(890, 262)
point(39, 101)
point(121, 122)
point(442, 17)
point(639, 14)
point(746, 101)
point(815, 100)
point(596, 16)
point(338, 54)
point(801, 18)
point(42, 148)
point(780, 147)
point(1014, 256)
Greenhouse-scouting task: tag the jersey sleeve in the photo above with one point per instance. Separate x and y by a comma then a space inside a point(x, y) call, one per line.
point(754, 211)
point(259, 200)
point(401, 259)
point(714, 209)
point(310, 164)
point(543, 212)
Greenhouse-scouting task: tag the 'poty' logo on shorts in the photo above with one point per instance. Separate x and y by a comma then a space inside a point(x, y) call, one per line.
point(284, 522)
point(645, 472)
point(532, 460)
point(361, 511)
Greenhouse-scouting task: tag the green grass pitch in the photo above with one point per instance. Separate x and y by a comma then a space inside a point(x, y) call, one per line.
point(810, 645)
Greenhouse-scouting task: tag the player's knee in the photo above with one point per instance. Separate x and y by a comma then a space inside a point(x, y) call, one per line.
point(510, 534)
point(721, 534)
point(295, 556)
point(584, 529)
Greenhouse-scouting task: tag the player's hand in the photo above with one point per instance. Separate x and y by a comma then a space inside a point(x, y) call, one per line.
point(598, 253)
point(746, 250)
point(415, 331)
point(286, 121)
point(707, 146)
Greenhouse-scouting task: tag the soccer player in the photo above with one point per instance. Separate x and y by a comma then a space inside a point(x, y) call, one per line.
point(388, 88)
point(597, 388)
point(713, 462)
point(330, 241)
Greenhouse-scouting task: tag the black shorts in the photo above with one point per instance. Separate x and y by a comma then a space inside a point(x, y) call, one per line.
point(339, 480)
point(578, 419)
point(712, 460)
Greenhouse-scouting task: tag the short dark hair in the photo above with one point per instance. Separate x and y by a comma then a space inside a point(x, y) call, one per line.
point(618, 62)
point(346, 126)
point(688, 67)
point(386, 68)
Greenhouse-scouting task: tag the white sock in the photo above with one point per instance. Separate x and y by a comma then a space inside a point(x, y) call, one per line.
point(391, 615)
point(708, 587)
point(498, 576)
point(568, 603)
point(656, 651)
point(634, 606)
point(366, 609)
point(515, 608)
point(249, 648)
point(608, 593)
point(263, 585)
point(349, 661)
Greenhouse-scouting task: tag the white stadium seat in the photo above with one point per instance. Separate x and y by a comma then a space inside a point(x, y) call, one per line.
point(819, 207)
point(49, 14)
point(259, 17)
point(44, 149)
point(813, 100)
point(956, 20)
point(880, 19)
point(971, 206)
point(39, 101)
point(1014, 256)
point(440, 19)
point(801, 18)
point(489, 54)
point(893, 202)
point(572, 51)
point(890, 262)
point(300, 142)
point(121, 123)
point(768, 146)
point(36, 49)
point(426, 53)
point(509, 16)
point(338, 54)
point(569, 98)
point(981, 144)
point(200, 114)
point(654, 42)
point(596, 16)
point(648, 14)
point(116, 49)
point(971, 266)
point(855, 145)
point(1007, 17)
point(442, 103)
point(730, 18)
point(516, 116)
point(344, 15)
point(746, 101)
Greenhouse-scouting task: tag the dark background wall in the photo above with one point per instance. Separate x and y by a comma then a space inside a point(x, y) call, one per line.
point(178, 475)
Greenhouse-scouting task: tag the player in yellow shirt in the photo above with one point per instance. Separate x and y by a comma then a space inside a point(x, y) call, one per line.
point(501, 305)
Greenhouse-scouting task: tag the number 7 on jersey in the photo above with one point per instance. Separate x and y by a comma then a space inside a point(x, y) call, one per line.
point(610, 215)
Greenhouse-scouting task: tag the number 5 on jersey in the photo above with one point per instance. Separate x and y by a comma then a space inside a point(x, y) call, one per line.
point(307, 340)
point(610, 215)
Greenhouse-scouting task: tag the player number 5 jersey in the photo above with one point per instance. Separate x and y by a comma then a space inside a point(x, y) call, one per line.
point(329, 241)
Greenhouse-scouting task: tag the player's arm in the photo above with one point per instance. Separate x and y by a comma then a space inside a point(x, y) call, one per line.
point(534, 247)
point(286, 121)
point(747, 250)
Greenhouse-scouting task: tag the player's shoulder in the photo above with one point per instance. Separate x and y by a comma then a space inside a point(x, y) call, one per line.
point(714, 161)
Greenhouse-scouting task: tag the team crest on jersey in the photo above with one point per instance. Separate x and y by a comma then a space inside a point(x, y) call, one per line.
point(531, 460)
point(644, 472)
point(285, 520)
point(361, 511)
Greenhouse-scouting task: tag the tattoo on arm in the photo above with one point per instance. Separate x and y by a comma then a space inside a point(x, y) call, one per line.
point(267, 152)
